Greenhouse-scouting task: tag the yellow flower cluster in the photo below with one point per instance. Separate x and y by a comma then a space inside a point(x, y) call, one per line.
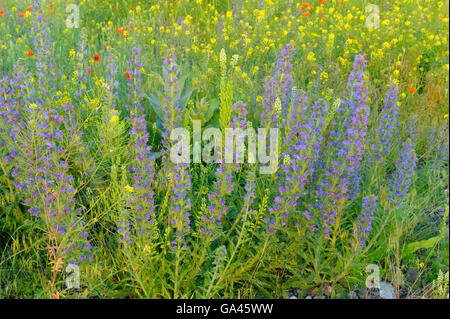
point(405, 42)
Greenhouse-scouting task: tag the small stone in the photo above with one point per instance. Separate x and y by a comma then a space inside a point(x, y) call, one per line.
point(293, 297)
point(328, 290)
point(411, 274)
point(386, 290)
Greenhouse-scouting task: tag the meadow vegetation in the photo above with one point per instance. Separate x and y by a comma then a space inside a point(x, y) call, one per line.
point(357, 89)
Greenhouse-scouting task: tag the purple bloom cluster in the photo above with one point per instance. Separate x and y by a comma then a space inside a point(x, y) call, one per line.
point(135, 93)
point(170, 102)
point(42, 138)
point(12, 104)
point(239, 118)
point(43, 48)
point(302, 140)
point(237, 9)
point(142, 196)
point(364, 223)
point(223, 186)
point(44, 178)
point(356, 126)
point(278, 86)
point(342, 175)
point(179, 175)
point(388, 127)
point(270, 225)
point(110, 79)
point(439, 143)
point(411, 125)
point(401, 180)
point(124, 231)
point(48, 166)
point(179, 211)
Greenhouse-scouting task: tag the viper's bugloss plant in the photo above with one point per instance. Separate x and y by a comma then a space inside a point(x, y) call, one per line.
point(44, 140)
point(363, 224)
point(277, 88)
point(388, 129)
point(341, 177)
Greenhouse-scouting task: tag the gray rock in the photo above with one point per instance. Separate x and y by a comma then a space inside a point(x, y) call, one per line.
point(328, 291)
point(386, 290)
point(353, 295)
point(411, 275)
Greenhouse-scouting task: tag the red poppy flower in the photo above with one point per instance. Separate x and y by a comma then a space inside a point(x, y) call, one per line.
point(89, 70)
point(128, 75)
point(96, 58)
point(412, 90)
point(29, 8)
point(307, 14)
point(51, 5)
point(30, 53)
point(21, 14)
point(51, 12)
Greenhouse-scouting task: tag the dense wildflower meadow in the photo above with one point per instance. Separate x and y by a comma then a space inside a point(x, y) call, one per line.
point(351, 202)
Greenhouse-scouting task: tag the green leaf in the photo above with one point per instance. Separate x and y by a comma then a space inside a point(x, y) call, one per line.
point(212, 106)
point(156, 105)
point(427, 243)
point(155, 155)
point(184, 99)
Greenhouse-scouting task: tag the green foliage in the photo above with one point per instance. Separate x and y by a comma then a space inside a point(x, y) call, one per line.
point(238, 259)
